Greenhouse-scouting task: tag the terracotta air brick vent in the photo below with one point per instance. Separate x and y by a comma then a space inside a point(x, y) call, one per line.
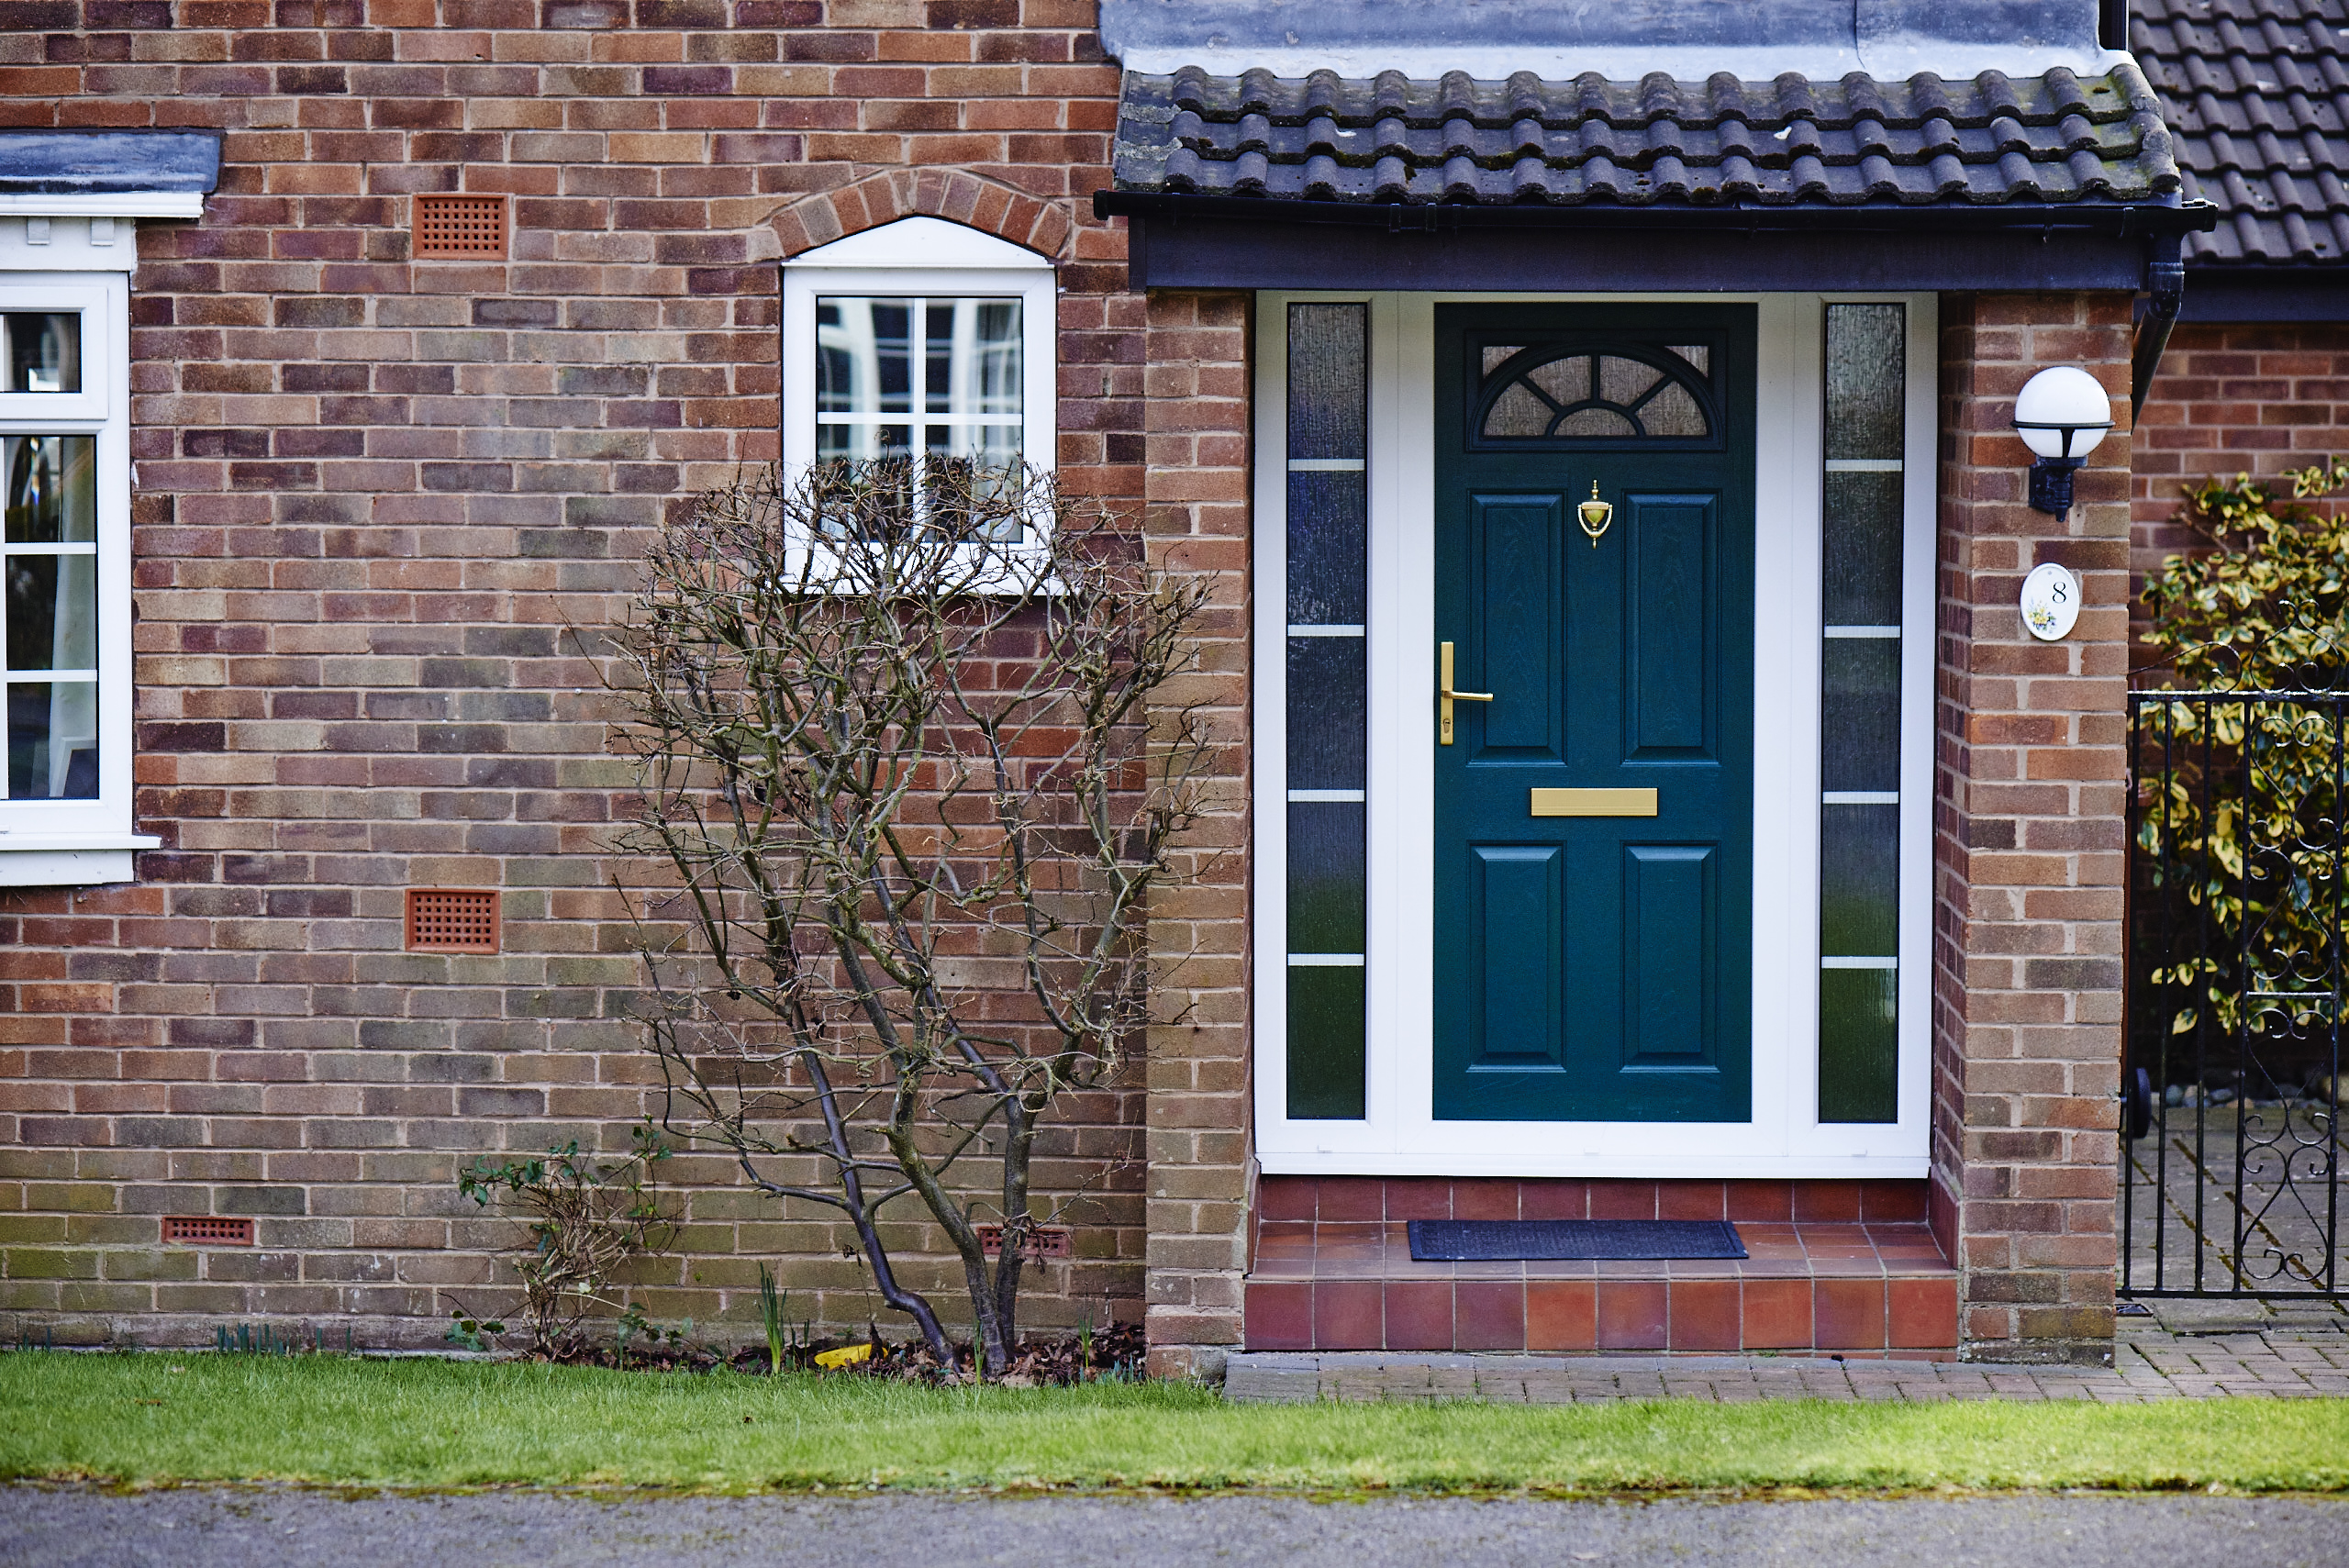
point(460, 228)
point(452, 919)
point(1044, 1241)
point(206, 1230)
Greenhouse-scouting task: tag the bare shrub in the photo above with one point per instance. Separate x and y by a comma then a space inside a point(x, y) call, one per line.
point(910, 749)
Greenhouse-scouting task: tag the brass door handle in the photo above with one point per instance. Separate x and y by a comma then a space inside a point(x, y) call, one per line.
point(1445, 696)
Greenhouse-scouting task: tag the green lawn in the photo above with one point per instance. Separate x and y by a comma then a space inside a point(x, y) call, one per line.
point(160, 1417)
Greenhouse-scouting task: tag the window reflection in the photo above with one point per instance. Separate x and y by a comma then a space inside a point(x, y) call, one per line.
point(53, 740)
point(49, 614)
point(41, 350)
point(937, 384)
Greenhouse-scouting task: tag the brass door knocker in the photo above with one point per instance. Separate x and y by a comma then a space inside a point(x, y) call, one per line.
point(1595, 515)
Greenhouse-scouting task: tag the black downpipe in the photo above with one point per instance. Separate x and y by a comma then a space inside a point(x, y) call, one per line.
point(2165, 290)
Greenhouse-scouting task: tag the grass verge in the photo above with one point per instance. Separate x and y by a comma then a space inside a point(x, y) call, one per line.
point(331, 1420)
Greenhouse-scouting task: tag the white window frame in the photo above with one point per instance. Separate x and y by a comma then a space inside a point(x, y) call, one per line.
point(1399, 1135)
point(923, 258)
point(70, 258)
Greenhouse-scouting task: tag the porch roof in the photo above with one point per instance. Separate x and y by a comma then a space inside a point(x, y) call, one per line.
point(2057, 141)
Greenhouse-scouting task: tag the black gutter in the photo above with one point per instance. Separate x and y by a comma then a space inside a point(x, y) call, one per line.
point(2149, 219)
point(2165, 290)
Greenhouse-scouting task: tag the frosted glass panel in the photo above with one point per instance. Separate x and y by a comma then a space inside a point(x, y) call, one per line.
point(1328, 545)
point(1325, 876)
point(1861, 524)
point(1326, 712)
point(1862, 546)
point(1860, 714)
point(1327, 389)
point(1859, 881)
point(1326, 1068)
point(1867, 356)
point(1328, 495)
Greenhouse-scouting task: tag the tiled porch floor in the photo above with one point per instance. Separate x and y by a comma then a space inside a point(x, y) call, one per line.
point(1850, 1288)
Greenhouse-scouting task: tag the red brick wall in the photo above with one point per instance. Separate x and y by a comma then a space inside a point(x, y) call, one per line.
point(2027, 843)
point(1200, 1149)
point(2253, 399)
point(375, 497)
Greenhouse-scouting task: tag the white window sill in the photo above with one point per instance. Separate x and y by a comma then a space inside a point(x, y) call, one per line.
point(68, 860)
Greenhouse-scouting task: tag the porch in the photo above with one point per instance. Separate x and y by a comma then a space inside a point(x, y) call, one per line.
point(1843, 1268)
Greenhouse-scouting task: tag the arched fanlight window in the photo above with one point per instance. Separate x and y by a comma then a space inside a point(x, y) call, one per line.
point(1586, 392)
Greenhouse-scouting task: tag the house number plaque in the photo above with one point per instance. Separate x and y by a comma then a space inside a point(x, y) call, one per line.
point(2050, 601)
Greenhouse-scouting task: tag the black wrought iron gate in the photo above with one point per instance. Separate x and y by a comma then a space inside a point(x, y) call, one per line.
point(2232, 1149)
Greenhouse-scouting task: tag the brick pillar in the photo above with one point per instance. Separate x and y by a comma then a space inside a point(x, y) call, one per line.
point(2029, 851)
point(1196, 515)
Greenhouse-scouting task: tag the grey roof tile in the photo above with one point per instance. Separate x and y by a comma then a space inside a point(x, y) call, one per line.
point(1657, 142)
point(2257, 94)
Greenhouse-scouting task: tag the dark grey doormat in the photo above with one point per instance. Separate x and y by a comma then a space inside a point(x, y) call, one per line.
point(1496, 1241)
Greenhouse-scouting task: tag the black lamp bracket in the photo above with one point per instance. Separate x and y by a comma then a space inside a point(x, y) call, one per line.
point(2051, 484)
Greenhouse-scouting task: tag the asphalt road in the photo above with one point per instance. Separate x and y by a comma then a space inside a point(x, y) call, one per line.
point(198, 1527)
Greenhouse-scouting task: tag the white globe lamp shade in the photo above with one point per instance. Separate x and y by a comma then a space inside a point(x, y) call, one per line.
point(2062, 412)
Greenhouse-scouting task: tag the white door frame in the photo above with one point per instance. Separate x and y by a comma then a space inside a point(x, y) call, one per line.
point(1399, 1136)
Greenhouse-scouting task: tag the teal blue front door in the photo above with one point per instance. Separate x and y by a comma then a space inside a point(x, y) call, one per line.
point(1594, 819)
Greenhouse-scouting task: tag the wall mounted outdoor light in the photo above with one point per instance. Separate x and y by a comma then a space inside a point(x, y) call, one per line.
point(2061, 413)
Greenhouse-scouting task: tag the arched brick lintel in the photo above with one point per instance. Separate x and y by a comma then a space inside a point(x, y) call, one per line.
point(954, 194)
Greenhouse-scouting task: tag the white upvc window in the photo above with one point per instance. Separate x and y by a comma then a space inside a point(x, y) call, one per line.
point(921, 341)
point(65, 780)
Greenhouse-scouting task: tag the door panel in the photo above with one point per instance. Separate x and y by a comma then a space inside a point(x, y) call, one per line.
point(1595, 967)
point(1517, 541)
point(1669, 681)
point(1521, 909)
point(1669, 920)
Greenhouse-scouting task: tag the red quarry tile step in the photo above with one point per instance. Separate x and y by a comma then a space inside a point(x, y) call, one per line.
point(1333, 1272)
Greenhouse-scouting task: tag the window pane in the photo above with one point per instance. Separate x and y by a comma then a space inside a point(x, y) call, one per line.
point(1326, 1068)
point(1325, 876)
point(1866, 361)
point(52, 612)
point(40, 352)
point(972, 357)
point(1328, 548)
point(1860, 717)
point(53, 740)
point(50, 493)
point(1859, 881)
point(1326, 717)
point(863, 356)
point(1863, 549)
point(1328, 413)
point(1859, 1045)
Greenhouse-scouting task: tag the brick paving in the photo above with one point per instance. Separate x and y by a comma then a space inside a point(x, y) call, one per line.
point(2190, 1350)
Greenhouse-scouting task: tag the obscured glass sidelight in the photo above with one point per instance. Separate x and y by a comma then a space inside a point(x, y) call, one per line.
point(41, 350)
point(1859, 814)
point(1327, 422)
point(49, 615)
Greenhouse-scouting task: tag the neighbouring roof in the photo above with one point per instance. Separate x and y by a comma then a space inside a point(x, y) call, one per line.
point(2256, 93)
point(108, 162)
point(2056, 137)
